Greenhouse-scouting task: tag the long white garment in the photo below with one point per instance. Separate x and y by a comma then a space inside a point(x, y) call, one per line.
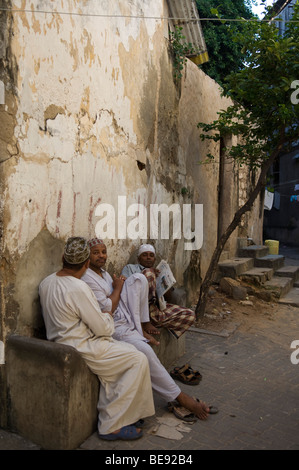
point(133, 310)
point(72, 316)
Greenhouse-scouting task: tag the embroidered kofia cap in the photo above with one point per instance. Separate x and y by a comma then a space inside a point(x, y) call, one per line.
point(76, 250)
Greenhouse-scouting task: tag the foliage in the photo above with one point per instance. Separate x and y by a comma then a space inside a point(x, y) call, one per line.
point(180, 49)
point(263, 114)
point(225, 55)
point(262, 110)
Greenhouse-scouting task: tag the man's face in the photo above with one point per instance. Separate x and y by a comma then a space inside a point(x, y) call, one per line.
point(98, 256)
point(147, 259)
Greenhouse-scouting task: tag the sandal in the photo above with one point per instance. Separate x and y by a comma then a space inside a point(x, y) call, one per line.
point(181, 412)
point(186, 375)
point(127, 433)
point(139, 423)
point(213, 410)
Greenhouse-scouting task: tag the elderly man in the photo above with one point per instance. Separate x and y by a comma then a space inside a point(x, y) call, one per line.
point(127, 299)
point(72, 316)
point(177, 319)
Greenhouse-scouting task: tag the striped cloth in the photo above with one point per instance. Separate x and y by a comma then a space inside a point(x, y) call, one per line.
point(175, 318)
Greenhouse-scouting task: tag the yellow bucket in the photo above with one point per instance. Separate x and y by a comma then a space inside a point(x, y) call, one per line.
point(273, 246)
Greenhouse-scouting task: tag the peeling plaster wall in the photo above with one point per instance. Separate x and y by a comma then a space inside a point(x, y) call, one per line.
point(87, 93)
point(78, 124)
point(92, 113)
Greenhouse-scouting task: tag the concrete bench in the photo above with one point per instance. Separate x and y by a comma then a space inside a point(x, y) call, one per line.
point(53, 395)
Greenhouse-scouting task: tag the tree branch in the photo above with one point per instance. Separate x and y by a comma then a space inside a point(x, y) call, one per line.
point(201, 304)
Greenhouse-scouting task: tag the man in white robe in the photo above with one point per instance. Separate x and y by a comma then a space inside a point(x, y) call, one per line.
point(128, 317)
point(72, 316)
point(175, 318)
point(128, 300)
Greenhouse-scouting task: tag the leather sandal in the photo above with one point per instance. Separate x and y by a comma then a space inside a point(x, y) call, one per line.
point(186, 375)
point(181, 412)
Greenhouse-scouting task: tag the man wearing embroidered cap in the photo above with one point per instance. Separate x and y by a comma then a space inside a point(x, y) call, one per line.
point(174, 317)
point(108, 290)
point(72, 316)
point(127, 299)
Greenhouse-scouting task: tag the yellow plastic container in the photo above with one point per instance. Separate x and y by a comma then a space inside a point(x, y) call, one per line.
point(273, 246)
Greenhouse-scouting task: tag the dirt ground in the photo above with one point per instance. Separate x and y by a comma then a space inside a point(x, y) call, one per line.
point(225, 314)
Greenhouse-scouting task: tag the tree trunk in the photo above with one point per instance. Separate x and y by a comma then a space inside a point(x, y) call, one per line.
point(208, 280)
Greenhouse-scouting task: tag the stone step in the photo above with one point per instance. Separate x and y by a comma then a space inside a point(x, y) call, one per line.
point(224, 256)
point(292, 298)
point(234, 267)
point(279, 286)
point(269, 261)
point(260, 275)
point(288, 271)
point(254, 251)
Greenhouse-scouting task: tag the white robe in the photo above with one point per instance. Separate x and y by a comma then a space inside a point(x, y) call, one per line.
point(131, 311)
point(72, 316)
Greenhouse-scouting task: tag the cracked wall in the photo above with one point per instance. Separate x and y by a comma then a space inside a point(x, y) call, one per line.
point(92, 113)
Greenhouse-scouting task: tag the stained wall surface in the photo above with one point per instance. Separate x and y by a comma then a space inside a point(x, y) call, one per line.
point(93, 116)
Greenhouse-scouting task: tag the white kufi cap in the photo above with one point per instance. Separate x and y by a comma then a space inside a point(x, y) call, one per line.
point(146, 247)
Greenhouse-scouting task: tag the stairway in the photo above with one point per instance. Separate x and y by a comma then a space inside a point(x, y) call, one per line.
point(255, 264)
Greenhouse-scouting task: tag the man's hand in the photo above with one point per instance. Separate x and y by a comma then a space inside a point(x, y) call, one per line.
point(155, 271)
point(118, 282)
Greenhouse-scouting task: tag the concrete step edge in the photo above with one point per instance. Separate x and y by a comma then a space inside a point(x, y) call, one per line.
point(279, 286)
point(291, 298)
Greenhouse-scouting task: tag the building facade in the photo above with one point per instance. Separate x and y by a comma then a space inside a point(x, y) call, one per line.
point(92, 115)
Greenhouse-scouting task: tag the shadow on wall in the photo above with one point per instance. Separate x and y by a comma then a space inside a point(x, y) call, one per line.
point(42, 258)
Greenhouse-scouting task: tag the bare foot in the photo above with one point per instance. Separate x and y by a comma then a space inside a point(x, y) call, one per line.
point(150, 338)
point(199, 408)
point(150, 329)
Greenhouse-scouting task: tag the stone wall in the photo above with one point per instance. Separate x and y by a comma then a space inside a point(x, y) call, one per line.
point(92, 113)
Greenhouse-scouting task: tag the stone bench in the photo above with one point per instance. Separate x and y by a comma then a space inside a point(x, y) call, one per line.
point(53, 395)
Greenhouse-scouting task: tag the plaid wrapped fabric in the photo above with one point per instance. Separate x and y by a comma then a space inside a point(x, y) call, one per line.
point(175, 318)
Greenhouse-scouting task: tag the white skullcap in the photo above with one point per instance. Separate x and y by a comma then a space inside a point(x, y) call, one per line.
point(146, 247)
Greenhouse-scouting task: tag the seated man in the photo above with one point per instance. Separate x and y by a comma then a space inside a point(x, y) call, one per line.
point(177, 319)
point(127, 299)
point(72, 316)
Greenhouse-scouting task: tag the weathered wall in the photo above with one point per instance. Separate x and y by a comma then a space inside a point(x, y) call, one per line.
point(92, 113)
point(86, 109)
